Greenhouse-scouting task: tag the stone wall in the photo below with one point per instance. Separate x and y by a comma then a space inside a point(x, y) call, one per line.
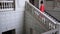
point(13, 19)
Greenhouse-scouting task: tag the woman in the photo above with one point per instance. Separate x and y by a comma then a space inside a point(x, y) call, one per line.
point(42, 8)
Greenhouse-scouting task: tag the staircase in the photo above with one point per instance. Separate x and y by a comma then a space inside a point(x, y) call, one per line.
point(55, 13)
point(37, 22)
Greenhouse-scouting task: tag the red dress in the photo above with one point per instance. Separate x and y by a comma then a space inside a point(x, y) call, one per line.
point(42, 8)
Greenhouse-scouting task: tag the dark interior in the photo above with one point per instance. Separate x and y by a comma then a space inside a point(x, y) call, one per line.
point(32, 1)
point(9, 32)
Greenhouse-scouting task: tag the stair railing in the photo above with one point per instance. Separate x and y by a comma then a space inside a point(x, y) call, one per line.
point(7, 5)
point(44, 18)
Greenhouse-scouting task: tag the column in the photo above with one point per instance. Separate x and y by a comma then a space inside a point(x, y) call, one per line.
point(59, 30)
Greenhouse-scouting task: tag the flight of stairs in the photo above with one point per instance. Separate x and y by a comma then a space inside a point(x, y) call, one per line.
point(54, 13)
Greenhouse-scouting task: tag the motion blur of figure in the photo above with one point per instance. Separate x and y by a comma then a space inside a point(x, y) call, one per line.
point(42, 7)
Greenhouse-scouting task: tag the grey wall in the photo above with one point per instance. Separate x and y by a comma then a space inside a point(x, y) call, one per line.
point(13, 19)
point(32, 21)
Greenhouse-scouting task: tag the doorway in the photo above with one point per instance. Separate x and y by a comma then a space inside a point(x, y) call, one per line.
point(9, 32)
point(35, 3)
point(31, 1)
